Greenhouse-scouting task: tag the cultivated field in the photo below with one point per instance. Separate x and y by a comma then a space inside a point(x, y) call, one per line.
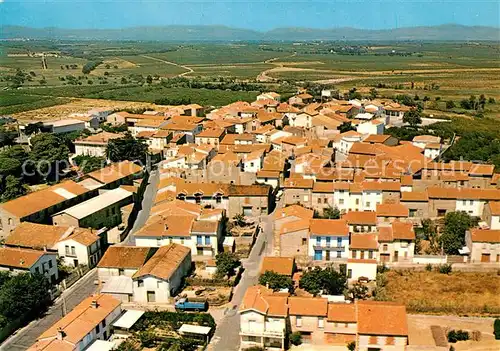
point(458, 293)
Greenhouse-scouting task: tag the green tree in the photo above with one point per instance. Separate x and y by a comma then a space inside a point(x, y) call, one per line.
point(7, 137)
point(226, 263)
point(295, 338)
point(276, 281)
point(89, 163)
point(413, 117)
point(373, 93)
point(351, 346)
point(149, 79)
point(127, 148)
point(496, 329)
point(24, 295)
point(331, 213)
point(239, 220)
point(345, 127)
point(13, 188)
point(50, 153)
point(453, 237)
point(450, 104)
point(327, 280)
point(429, 233)
point(357, 292)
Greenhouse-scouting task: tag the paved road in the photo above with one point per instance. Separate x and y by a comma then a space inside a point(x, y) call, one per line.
point(147, 203)
point(25, 337)
point(226, 337)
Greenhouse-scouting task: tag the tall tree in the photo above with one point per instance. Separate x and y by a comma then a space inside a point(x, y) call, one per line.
point(455, 225)
point(413, 117)
point(127, 148)
point(226, 263)
point(276, 281)
point(50, 154)
point(327, 280)
point(13, 188)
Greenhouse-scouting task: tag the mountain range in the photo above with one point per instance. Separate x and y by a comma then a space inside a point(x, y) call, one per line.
point(446, 32)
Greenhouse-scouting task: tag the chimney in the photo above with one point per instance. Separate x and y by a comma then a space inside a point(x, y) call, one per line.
point(60, 333)
point(94, 304)
point(21, 261)
point(166, 226)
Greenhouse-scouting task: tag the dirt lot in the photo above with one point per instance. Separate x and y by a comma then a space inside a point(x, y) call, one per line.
point(457, 293)
point(420, 336)
point(77, 106)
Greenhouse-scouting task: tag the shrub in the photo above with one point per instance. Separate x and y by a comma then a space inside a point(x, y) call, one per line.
point(428, 267)
point(444, 269)
point(351, 346)
point(457, 335)
point(382, 268)
point(148, 339)
point(496, 329)
point(296, 338)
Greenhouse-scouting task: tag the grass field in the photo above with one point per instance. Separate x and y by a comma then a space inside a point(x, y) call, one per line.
point(435, 293)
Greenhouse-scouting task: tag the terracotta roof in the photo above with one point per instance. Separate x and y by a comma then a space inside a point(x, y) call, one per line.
point(294, 210)
point(335, 227)
point(308, 306)
point(341, 312)
point(168, 226)
point(39, 200)
point(83, 236)
point(376, 138)
point(164, 262)
point(363, 241)
point(414, 196)
point(79, 322)
point(381, 318)
point(210, 133)
point(206, 227)
point(360, 217)
point(381, 186)
point(101, 138)
point(403, 231)
point(125, 257)
point(268, 174)
point(485, 235)
point(298, 183)
point(478, 194)
point(442, 193)
point(392, 210)
point(294, 226)
point(20, 258)
point(115, 172)
point(494, 208)
point(280, 265)
point(261, 299)
point(323, 187)
point(36, 236)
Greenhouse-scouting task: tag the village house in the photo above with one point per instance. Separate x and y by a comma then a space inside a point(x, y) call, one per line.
point(263, 318)
point(210, 137)
point(308, 316)
point(161, 277)
point(300, 99)
point(280, 265)
point(18, 260)
point(389, 213)
point(491, 214)
point(89, 321)
point(101, 211)
point(64, 126)
point(116, 174)
point(396, 242)
point(75, 246)
point(483, 245)
point(328, 239)
point(94, 145)
point(39, 206)
point(269, 96)
point(361, 221)
point(290, 214)
point(298, 191)
point(417, 203)
point(294, 238)
point(202, 237)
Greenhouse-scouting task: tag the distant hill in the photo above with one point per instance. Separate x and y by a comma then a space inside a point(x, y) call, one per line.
point(448, 32)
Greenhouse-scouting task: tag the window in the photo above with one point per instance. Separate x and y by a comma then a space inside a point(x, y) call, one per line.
point(304, 241)
point(341, 201)
point(328, 241)
point(158, 242)
point(339, 242)
point(182, 241)
point(207, 240)
point(370, 254)
point(339, 254)
point(73, 250)
point(349, 275)
point(298, 321)
point(318, 240)
point(251, 164)
point(104, 323)
point(413, 212)
point(385, 247)
point(97, 329)
point(357, 201)
point(158, 284)
point(121, 271)
point(354, 253)
point(464, 202)
point(199, 239)
point(37, 269)
point(368, 204)
point(218, 199)
point(140, 283)
point(321, 322)
point(50, 264)
point(67, 249)
point(319, 200)
point(325, 200)
point(471, 202)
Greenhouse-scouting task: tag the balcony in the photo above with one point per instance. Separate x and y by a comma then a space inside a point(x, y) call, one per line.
point(203, 245)
point(330, 248)
point(269, 334)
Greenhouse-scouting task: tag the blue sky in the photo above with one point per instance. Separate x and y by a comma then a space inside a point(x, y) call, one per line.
point(253, 14)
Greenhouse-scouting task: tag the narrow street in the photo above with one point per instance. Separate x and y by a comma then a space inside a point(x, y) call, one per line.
point(25, 337)
point(226, 337)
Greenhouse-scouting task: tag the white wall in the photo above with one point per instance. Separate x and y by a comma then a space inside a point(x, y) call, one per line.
point(313, 242)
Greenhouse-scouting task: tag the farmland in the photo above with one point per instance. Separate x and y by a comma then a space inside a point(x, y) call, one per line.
point(132, 71)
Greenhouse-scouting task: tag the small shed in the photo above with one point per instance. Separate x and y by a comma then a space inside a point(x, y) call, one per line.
point(123, 324)
point(228, 244)
point(195, 331)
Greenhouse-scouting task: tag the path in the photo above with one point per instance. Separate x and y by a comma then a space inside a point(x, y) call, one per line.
point(25, 337)
point(189, 69)
point(263, 77)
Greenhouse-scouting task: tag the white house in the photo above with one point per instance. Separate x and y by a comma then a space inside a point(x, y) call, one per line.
point(162, 275)
point(329, 239)
point(19, 260)
point(373, 127)
point(491, 214)
point(483, 245)
point(252, 163)
point(81, 248)
point(64, 126)
point(263, 319)
point(347, 140)
point(87, 322)
point(94, 145)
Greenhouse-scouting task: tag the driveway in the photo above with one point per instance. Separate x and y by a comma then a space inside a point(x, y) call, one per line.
point(226, 337)
point(25, 337)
